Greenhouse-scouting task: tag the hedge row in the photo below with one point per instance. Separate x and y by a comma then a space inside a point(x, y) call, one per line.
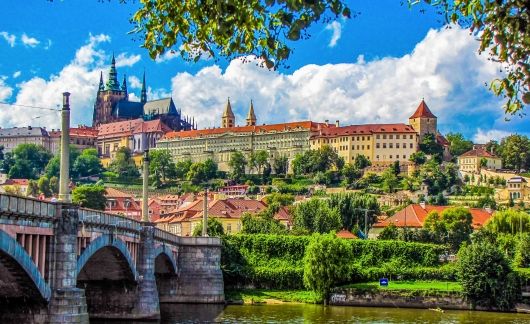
point(276, 261)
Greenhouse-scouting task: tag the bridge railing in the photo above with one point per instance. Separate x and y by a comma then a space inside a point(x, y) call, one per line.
point(27, 206)
point(165, 236)
point(99, 218)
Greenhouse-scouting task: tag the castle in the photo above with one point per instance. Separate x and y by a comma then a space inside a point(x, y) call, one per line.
point(113, 104)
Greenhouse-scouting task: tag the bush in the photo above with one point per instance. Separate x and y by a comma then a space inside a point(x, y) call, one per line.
point(522, 254)
point(326, 263)
point(215, 228)
point(486, 277)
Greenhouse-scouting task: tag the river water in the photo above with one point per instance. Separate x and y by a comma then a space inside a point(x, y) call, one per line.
point(304, 313)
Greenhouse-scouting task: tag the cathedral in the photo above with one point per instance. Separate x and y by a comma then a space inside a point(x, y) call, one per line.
point(113, 104)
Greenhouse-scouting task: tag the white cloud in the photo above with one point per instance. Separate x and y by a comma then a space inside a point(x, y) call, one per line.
point(167, 56)
point(336, 30)
point(127, 60)
point(29, 41)
point(16, 74)
point(444, 68)
point(484, 136)
point(80, 77)
point(9, 38)
point(5, 91)
point(134, 82)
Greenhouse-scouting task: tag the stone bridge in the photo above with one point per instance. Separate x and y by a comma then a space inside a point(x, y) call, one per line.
point(63, 264)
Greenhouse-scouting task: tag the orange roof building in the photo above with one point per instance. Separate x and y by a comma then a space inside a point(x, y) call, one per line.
point(285, 139)
point(121, 203)
point(477, 158)
point(414, 215)
point(82, 137)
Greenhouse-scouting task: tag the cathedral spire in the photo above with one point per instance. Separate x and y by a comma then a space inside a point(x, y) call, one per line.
point(112, 82)
point(228, 119)
point(143, 96)
point(101, 85)
point(251, 117)
point(124, 85)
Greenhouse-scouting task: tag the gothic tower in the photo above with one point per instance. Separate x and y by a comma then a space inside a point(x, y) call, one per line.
point(108, 95)
point(423, 120)
point(251, 117)
point(228, 119)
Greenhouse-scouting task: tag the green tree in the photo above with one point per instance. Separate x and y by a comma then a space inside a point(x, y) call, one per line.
point(123, 164)
point(237, 166)
point(44, 186)
point(486, 277)
point(390, 232)
point(458, 145)
point(210, 169)
point(54, 185)
point(390, 180)
point(215, 228)
point(315, 215)
point(522, 253)
point(54, 165)
point(263, 222)
point(197, 29)
point(89, 196)
point(258, 160)
point(509, 221)
point(350, 173)
point(430, 146)
point(361, 162)
point(326, 264)
point(161, 165)
point(182, 168)
point(280, 165)
point(452, 226)
point(33, 188)
point(354, 208)
point(418, 158)
point(87, 164)
point(279, 198)
point(515, 152)
point(29, 161)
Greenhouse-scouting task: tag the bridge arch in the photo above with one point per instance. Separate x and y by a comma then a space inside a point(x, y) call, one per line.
point(13, 255)
point(106, 243)
point(163, 254)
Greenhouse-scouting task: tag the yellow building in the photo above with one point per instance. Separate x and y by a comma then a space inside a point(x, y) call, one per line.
point(218, 144)
point(470, 161)
point(227, 211)
point(517, 189)
point(137, 135)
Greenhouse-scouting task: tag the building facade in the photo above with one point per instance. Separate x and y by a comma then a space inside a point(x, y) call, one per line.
point(112, 104)
point(81, 137)
point(137, 135)
point(218, 144)
point(472, 161)
point(517, 189)
point(10, 138)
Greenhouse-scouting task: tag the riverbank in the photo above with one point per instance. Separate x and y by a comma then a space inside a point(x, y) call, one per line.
point(264, 296)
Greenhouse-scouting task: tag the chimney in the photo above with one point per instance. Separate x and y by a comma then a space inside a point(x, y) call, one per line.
point(327, 122)
point(422, 204)
point(337, 123)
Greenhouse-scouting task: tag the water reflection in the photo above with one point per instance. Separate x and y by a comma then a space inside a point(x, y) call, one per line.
point(302, 313)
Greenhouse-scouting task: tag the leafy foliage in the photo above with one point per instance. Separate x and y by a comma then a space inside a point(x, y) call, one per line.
point(123, 164)
point(231, 28)
point(509, 221)
point(280, 165)
point(515, 152)
point(161, 165)
point(418, 158)
point(326, 263)
point(352, 208)
point(320, 160)
point(486, 277)
point(215, 228)
point(458, 145)
point(237, 166)
point(26, 161)
point(316, 215)
point(87, 164)
point(89, 196)
point(263, 222)
point(430, 146)
point(451, 226)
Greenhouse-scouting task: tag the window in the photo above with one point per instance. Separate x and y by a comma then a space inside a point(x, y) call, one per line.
point(397, 136)
point(362, 147)
point(390, 156)
point(391, 145)
point(376, 145)
point(357, 147)
point(384, 136)
point(390, 136)
point(411, 146)
point(411, 136)
point(367, 147)
point(377, 157)
point(397, 145)
point(377, 136)
point(229, 228)
point(384, 145)
point(404, 156)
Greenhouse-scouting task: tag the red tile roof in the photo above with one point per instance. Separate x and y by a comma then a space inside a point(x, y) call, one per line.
point(414, 215)
point(346, 234)
point(115, 193)
point(479, 152)
point(442, 140)
point(18, 182)
point(130, 127)
point(308, 125)
point(422, 111)
point(365, 129)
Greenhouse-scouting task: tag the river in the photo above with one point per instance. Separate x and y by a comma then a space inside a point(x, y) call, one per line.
point(304, 313)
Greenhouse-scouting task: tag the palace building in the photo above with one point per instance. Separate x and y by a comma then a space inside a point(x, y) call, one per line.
point(113, 105)
point(218, 144)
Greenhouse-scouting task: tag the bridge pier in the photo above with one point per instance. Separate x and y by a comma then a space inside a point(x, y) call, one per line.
point(67, 303)
point(147, 305)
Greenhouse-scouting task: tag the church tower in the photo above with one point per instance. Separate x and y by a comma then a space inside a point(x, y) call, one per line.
point(108, 95)
point(423, 120)
point(228, 119)
point(251, 117)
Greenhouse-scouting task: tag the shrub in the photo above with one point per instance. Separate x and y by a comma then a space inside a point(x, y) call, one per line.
point(486, 277)
point(215, 228)
point(326, 263)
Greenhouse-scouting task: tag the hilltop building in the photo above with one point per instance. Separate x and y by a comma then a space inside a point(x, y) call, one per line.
point(471, 161)
point(218, 144)
point(113, 104)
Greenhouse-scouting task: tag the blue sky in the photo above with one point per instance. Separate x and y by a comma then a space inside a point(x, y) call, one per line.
point(373, 68)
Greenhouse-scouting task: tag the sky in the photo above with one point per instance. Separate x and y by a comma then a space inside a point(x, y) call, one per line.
point(374, 68)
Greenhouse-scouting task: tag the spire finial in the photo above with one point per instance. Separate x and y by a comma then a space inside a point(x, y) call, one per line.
point(101, 85)
point(143, 95)
point(112, 82)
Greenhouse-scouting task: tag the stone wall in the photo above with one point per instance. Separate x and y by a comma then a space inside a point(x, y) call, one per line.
point(200, 279)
